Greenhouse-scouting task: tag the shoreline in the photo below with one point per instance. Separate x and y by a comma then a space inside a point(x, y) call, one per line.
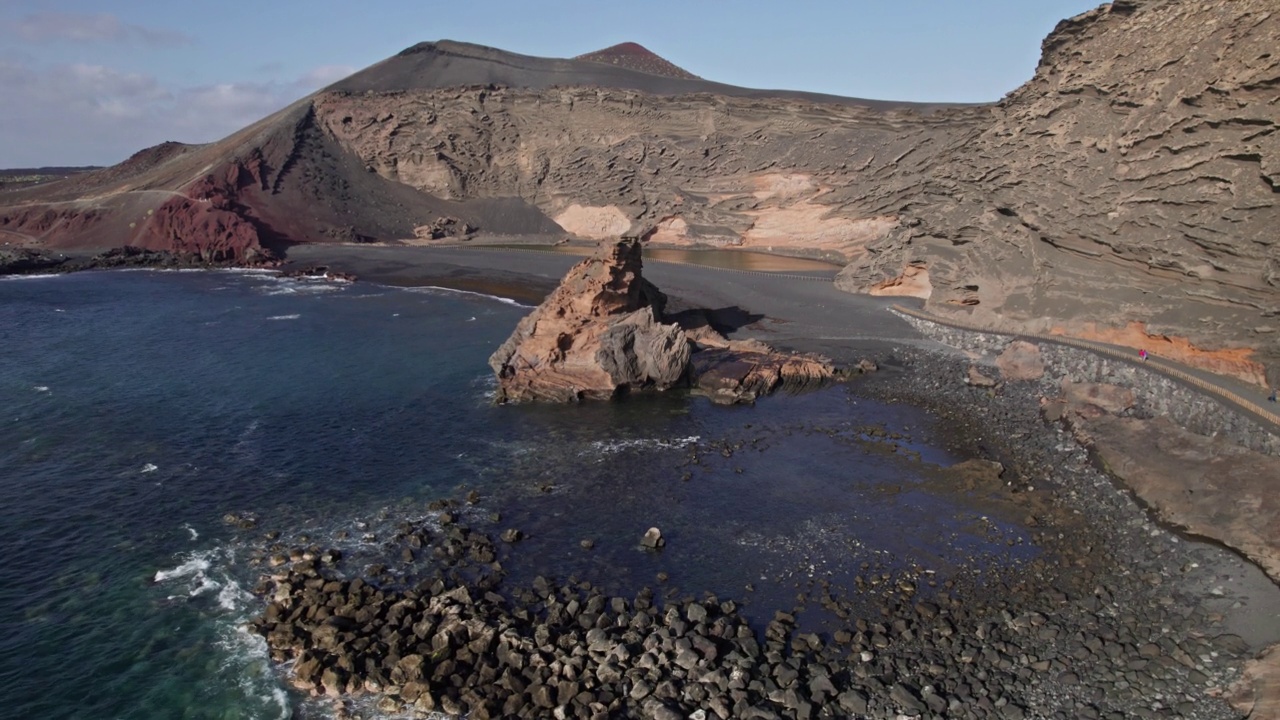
point(807, 316)
point(811, 317)
point(1116, 615)
point(802, 316)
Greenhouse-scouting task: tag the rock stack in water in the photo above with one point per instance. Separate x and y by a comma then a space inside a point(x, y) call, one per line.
point(598, 335)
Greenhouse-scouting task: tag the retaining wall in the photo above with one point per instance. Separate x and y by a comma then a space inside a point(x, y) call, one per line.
point(1185, 399)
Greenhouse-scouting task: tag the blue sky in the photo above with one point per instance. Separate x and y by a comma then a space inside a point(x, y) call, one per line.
point(92, 82)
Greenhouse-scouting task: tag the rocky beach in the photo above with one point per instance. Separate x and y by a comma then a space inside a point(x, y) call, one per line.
point(1111, 615)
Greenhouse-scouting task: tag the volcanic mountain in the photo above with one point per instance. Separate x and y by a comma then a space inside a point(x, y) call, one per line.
point(637, 57)
point(1128, 191)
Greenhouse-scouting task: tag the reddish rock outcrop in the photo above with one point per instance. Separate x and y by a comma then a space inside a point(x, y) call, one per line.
point(599, 334)
point(208, 221)
point(1208, 485)
point(1021, 361)
point(1256, 694)
point(1235, 362)
point(729, 377)
point(637, 57)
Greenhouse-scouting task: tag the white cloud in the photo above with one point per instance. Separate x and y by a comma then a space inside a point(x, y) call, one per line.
point(325, 75)
point(101, 27)
point(80, 114)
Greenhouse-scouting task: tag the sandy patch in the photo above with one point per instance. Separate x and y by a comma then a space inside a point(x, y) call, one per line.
point(595, 222)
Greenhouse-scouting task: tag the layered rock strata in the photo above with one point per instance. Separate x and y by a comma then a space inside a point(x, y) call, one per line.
point(598, 335)
point(1126, 193)
point(601, 334)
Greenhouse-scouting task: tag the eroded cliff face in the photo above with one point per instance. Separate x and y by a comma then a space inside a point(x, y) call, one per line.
point(1128, 192)
point(1134, 179)
point(605, 163)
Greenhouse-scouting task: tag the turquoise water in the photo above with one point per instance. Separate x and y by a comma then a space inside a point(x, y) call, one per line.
point(138, 409)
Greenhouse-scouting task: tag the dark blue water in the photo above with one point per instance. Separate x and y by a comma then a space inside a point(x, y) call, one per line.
point(139, 409)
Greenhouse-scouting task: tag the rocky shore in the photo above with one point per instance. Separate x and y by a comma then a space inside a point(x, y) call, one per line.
point(1111, 618)
point(27, 261)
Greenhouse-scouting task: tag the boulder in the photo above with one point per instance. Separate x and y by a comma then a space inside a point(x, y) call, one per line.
point(1257, 693)
point(1208, 486)
point(598, 335)
point(1021, 361)
point(1097, 398)
point(977, 379)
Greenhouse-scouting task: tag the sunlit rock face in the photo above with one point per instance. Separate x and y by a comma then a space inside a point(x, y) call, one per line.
point(598, 335)
point(1133, 180)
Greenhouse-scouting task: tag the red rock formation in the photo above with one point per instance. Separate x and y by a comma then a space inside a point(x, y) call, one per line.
point(635, 56)
point(739, 371)
point(209, 222)
point(730, 376)
point(1257, 693)
point(599, 334)
point(1021, 361)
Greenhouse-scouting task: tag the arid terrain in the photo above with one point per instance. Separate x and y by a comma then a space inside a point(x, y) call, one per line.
point(1127, 192)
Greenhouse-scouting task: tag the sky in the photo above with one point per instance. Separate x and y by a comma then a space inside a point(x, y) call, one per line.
point(91, 82)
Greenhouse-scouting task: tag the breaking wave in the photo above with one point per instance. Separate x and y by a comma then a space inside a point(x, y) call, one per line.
point(609, 447)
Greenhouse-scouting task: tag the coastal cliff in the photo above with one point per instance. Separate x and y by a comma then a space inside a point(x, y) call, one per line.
point(1126, 193)
point(598, 335)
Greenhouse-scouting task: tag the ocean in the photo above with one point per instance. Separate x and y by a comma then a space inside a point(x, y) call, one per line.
point(162, 432)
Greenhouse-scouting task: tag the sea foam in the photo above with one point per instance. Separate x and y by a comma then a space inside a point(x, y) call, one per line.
point(609, 447)
point(433, 289)
point(195, 566)
point(33, 276)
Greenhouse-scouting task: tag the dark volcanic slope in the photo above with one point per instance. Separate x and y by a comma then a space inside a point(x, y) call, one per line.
point(450, 64)
point(637, 57)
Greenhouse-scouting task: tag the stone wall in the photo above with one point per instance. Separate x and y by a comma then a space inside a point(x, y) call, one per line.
point(1157, 394)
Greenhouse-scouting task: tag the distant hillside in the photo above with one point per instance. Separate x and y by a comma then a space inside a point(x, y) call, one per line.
point(15, 177)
